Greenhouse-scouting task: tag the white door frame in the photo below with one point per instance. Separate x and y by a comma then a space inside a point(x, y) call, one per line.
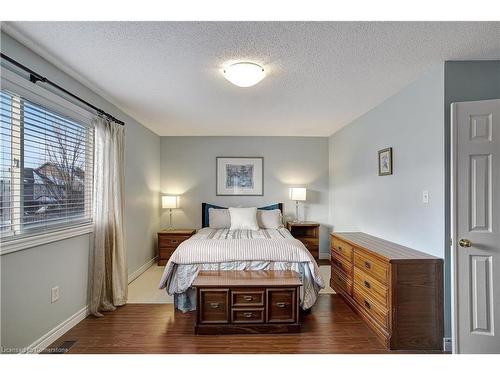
point(453, 230)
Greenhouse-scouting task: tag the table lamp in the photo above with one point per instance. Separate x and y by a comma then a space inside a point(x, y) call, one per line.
point(170, 202)
point(297, 194)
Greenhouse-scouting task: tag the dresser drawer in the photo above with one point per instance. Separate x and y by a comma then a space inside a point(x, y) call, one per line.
point(247, 315)
point(214, 306)
point(371, 265)
point(340, 282)
point(171, 241)
point(281, 305)
point(247, 297)
point(341, 263)
point(342, 248)
point(378, 313)
point(371, 286)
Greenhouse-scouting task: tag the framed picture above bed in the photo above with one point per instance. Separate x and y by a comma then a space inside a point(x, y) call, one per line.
point(242, 175)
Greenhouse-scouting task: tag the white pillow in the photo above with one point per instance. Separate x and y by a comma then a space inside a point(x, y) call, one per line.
point(219, 218)
point(269, 219)
point(243, 218)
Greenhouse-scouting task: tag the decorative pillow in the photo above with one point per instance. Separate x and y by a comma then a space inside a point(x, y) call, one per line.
point(269, 219)
point(243, 218)
point(219, 218)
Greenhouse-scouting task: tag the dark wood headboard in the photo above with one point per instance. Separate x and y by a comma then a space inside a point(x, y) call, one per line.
point(206, 206)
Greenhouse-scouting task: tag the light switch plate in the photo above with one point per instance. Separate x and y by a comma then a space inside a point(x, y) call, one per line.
point(54, 294)
point(425, 196)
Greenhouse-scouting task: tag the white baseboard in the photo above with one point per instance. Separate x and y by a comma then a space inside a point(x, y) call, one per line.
point(134, 275)
point(447, 347)
point(324, 256)
point(51, 336)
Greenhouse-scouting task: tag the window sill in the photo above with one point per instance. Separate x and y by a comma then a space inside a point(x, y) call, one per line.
point(44, 238)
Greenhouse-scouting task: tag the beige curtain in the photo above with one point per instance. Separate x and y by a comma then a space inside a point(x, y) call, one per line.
point(108, 284)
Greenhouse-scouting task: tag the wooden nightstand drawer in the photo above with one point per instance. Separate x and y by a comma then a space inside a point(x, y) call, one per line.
point(171, 241)
point(168, 240)
point(307, 233)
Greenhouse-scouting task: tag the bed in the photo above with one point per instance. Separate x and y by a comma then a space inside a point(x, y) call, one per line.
point(224, 249)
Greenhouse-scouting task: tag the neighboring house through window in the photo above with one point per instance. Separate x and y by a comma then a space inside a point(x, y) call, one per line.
point(46, 169)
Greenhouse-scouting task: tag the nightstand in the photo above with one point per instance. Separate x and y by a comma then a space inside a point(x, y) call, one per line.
point(168, 240)
point(306, 232)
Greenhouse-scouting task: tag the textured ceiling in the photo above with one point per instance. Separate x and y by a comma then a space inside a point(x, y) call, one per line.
point(321, 75)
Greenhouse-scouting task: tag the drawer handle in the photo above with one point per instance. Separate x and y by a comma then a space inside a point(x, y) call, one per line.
point(281, 304)
point(214, 305)
point(174, 241)
point(339, 247)
point(368, 265)
point(248, 298)
point(367, 284)
point(248, 314)
point(367, 304)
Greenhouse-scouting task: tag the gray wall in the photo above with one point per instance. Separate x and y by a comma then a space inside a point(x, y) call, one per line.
point(411, 122)
point(464, 81)
point(188, 169)
point(28, 275)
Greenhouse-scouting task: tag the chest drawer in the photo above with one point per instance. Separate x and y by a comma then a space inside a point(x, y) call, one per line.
point(339, 282)
point(281, 305)
point(214, 306)
point(166, 252)
point(247, 297)
point(247, 315)
point(342, 248)
point(371, 286)
point(377, 312)
point(170, 241)
point(341, 263)
point(371, 265)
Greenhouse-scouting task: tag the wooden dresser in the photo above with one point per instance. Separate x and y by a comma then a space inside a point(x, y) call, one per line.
point(247, 302)
point(396, 290)
point(168, 240)
point(306, 232)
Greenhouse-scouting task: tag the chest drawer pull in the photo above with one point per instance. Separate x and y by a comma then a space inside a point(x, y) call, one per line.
point(281, 304)
point(214, 305)
point(367, 284)
point(367, 304)
point(248, 298)
point(368, 265)
point(248, 314)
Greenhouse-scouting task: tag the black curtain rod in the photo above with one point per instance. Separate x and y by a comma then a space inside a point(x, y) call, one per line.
point(35, 77)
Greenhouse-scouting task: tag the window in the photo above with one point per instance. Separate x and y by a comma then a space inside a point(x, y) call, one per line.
point(46, 169)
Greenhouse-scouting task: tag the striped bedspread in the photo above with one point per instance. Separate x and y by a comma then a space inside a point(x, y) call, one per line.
point(222, 248)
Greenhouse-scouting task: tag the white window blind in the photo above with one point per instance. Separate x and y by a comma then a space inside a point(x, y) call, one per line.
point(46, 169)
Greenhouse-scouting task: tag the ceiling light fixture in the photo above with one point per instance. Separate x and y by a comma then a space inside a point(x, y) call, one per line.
point(244, 74)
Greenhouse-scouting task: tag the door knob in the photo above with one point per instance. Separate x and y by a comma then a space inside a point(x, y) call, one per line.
point(465, 243)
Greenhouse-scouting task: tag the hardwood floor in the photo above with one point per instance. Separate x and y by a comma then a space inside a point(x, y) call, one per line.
point(331, 327)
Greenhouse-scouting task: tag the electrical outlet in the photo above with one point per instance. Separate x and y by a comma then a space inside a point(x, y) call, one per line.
point(425, 196)
point(447, 344)
point(54, 295)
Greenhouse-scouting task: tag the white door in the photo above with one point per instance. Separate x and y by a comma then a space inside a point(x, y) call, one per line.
point(476, 212)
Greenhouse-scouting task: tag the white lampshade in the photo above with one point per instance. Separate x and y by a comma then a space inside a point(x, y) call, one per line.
point(298, 194)
point(170, 201)
point(244, 74)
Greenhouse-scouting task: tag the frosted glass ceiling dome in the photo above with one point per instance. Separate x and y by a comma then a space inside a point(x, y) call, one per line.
point(244, 74)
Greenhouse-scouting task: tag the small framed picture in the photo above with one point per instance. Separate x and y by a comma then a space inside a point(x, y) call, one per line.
point(239, 175)
point(385, 162)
